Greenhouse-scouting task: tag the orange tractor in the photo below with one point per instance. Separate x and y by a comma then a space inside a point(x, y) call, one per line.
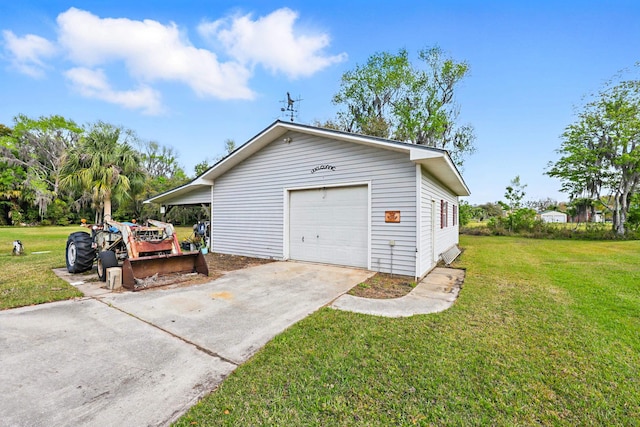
point(141, 251)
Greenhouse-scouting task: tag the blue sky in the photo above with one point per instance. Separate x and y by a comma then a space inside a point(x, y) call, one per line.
point(192, 74)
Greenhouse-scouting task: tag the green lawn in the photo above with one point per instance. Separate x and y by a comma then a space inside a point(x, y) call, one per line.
point(544, 333)
point(28, 279)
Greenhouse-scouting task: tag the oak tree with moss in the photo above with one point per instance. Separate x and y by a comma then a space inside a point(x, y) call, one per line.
point(600, 152)
point(391, 97)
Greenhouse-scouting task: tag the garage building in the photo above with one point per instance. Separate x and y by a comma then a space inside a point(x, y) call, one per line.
point(298, 192)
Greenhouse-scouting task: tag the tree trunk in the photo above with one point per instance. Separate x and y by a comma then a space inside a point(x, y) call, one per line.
point(107, 207)
point(619, 214)
point(624, 210)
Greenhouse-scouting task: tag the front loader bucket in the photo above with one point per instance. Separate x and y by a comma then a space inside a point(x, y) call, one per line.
point(135, 269)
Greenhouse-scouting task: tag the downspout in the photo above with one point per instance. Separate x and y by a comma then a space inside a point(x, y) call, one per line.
point(211, 220)
point(418, 266)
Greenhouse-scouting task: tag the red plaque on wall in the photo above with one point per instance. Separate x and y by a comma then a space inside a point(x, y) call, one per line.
point(392, 216)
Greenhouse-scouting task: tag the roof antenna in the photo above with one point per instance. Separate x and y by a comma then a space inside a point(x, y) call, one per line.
point(289, 107)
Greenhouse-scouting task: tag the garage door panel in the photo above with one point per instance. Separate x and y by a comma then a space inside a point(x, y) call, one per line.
point(329, 225)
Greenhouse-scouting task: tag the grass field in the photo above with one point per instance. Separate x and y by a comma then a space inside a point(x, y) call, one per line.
point(28, 279)
point(544, 333)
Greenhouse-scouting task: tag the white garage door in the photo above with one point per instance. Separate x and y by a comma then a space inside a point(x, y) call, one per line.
point(329, 225)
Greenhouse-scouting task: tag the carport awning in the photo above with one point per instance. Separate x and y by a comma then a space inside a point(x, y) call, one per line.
point(184, 195)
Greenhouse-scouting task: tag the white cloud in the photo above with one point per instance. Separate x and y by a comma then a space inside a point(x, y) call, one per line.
point(272, 42)
point(94, 84)
point(26, 53)
point(150, 51)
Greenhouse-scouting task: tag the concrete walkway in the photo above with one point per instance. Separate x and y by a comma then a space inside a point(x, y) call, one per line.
point(436, 292)
point(142, 359)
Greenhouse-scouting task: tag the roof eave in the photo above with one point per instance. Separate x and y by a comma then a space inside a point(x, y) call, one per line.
point(438, 161)
point(442, 168)
point(183, 189)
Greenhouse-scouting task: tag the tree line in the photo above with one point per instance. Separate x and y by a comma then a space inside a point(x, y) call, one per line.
point(53, 171)
point(519, 216)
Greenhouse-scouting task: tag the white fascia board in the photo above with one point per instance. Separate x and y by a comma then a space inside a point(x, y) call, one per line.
point(344, 136)
point(172, 194)
point(166, 195)
point(200, 181)
point(415, 155)
point(440, 166)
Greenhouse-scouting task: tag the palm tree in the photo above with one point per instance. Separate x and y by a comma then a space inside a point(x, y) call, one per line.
point(104, 164)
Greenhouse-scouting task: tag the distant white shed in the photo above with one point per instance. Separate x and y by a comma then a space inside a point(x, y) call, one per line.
point(553, 216)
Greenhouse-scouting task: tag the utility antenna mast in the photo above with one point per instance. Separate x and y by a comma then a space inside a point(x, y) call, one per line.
point(289, 107)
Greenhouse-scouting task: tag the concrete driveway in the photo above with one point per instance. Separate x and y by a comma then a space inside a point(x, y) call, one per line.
point(145, 358)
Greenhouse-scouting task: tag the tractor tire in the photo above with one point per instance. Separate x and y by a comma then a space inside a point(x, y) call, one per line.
point(106, 259)
point(80, 254)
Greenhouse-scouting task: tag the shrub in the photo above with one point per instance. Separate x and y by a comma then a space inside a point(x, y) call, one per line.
point(518, 221)
point(465, 212)
point(537, 229)
point(476, 231)
point(15, 216)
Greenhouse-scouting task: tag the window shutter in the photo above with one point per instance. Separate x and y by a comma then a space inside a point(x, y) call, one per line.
point(444, 214)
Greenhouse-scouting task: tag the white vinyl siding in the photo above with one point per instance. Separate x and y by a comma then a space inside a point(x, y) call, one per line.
point(248, 201)
point(443, 237)
point(426, 257)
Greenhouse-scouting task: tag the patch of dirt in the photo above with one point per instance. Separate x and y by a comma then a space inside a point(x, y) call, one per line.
point(173, 280)
point(219, 265)
point(384, 286)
